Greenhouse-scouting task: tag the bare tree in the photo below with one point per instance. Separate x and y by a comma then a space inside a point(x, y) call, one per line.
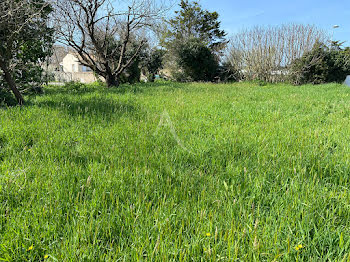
point(21, 23)
point(103, 32)
point(265, 52)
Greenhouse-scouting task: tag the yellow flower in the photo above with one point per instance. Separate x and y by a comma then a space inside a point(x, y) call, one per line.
point(208, 234)
point(30, 248)
point(46, 256)
point(298, 247)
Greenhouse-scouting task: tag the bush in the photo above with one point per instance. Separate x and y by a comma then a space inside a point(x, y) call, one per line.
point(153, 63)
point(259, 82)
point(321, 65)
point(132, 74)
point(227, 73)
point(29, 79)
point(74, 86)
point(6, 98)
point(196, 61)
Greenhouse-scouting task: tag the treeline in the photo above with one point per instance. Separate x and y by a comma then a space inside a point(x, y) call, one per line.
point(293, 53)
point(119, 43)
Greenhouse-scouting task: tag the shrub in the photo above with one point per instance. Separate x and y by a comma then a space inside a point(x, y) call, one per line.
point(227, 73)
point(6, 98)
point(132, 74)
point(194, 43)
point(153, 63)
point(259, 82)
point(196, 61)
point(321, 65)
point(74, 86)
point(262, 53)
point(29, 79)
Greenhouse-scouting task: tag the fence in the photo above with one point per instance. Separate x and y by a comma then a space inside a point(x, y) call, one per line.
point(83, 77)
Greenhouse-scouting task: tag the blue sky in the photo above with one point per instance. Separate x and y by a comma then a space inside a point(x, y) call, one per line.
point(238, 14)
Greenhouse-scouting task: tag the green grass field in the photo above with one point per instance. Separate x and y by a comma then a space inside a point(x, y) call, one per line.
point(177, 172)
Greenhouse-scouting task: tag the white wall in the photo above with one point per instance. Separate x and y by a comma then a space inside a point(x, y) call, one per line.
point(74, 71)
point(71, 64)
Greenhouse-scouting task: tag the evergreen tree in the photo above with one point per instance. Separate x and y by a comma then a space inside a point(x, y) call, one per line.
point(191, 21)
point(199, 30)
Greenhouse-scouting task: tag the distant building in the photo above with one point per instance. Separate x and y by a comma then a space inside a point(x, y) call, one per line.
point(54, 62)
point(64, 66)
point(71, 66)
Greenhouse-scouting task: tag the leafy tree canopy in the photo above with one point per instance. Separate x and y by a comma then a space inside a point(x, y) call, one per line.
point(153, 63)
point(193, 41)
point(321, 65)
point(25, 42)
point(191, 21)
point(197, 61)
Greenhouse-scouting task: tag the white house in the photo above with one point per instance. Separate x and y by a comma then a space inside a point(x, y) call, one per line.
point(75, 71)
point(71, 64)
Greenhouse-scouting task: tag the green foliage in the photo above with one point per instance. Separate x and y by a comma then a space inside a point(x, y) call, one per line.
point(153, 63)
point(194, 22)
point(6, 98)
point(227, 73)
point(132, 73)
point(197, 32)
point(321, 65)
point(76, 87)
point(252, 173)
point(259, 82)
point(197, 61)
point(25, 43)
point(73, 86)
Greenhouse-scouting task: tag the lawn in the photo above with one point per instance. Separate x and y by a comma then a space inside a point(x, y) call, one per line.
point(177, 172)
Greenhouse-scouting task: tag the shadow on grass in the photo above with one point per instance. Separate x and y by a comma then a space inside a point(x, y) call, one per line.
point(135, 88)
point(61, 90)
point(101, 88)
point(92, 107)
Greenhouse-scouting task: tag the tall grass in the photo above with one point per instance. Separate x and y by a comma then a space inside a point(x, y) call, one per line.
point(177, 172)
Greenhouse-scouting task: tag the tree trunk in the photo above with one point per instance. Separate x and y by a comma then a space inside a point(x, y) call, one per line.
point(112, 81)
point(11, 83)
